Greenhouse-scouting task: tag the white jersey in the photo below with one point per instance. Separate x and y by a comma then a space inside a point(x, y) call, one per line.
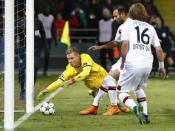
point(119, 34)
point(47, 22)
point(140, 36)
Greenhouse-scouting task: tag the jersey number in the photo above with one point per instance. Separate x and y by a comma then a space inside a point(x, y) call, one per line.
point(144, 37)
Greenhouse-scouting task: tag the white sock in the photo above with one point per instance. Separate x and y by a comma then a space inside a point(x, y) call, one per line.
point(98, 97)
point(110, 83)
point(127, 100)
point(113, 97)
point(141, 98)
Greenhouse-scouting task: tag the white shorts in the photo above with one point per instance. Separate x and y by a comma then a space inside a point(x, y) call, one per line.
point(132, 78)
point(116, 66)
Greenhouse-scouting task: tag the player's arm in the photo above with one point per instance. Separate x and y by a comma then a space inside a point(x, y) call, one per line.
point(124, 38)
point(124, 50)
point(159, 53)
point(109, 45)
point(160, 57)
point(62, 78)
point(56, 84)
point(84, 74)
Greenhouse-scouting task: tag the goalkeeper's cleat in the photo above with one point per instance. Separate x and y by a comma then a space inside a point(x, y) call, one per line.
point(42, 94)
point(147, 120)
point(123, 108)
point(138, 110)
point(113, 110)
point(91, 110)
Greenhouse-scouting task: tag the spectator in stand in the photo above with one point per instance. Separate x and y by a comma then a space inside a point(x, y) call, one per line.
point(150, 8)
point(59, 24)
point(93, 14)
point(65, 7)
point(81, 20)
point(108, 4)
point(105, 35)
point(74, 24)
point(47, 20)
point(81, 15)
point(128, 3)
point(39, 40)
point(165, 34)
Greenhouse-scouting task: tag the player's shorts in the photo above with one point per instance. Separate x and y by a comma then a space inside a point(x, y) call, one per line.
point(116, 66)
point(132, 78)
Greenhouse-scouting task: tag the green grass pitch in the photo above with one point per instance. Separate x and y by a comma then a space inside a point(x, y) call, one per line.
point(68, 103)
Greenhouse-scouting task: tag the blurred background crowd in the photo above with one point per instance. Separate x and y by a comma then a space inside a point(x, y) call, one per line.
point(90, 22)
point(87, 20)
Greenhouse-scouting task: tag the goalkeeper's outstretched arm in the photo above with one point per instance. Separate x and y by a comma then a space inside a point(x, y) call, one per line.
point(56, 84)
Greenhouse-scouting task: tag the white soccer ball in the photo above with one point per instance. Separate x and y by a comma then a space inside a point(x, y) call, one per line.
point(47, 108)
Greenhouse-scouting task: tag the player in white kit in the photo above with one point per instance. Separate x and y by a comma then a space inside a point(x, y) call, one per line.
point(120, 15)
point(137, 38)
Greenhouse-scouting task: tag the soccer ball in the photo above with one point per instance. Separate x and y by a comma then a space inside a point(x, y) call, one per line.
point(47, 108)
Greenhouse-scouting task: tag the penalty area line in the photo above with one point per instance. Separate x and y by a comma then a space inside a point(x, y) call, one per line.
point(27, 115)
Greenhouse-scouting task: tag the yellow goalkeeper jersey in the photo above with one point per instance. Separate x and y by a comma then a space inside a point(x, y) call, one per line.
point(89, 72)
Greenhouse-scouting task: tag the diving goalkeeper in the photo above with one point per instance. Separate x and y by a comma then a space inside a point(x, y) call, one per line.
point(81, 67)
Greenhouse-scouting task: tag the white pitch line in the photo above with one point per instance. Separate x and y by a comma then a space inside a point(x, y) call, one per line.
point(16, 111)
point(27, 115)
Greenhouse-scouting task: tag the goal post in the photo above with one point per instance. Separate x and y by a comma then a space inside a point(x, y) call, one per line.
point(9, 66)
point(29, 56)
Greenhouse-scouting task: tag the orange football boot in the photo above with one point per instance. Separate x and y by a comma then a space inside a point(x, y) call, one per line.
point(113, 110)
point(123, 108)
point(91, 110)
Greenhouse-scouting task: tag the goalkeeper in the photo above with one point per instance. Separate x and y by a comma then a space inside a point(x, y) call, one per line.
point(81, 67)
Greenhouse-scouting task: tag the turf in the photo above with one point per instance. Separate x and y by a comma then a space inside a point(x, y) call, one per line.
point(70, 101)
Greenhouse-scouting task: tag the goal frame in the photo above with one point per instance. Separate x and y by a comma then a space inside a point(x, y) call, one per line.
point(9, 61)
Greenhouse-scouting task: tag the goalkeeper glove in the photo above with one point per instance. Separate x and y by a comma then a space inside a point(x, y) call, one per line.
point(42, 94)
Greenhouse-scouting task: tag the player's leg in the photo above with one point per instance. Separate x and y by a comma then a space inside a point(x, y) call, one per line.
point(141, 98)
point(128, 81)
point(140, 93)
point(128, 101)
point(92, 110)
point(110, 84)
point(114, 73)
